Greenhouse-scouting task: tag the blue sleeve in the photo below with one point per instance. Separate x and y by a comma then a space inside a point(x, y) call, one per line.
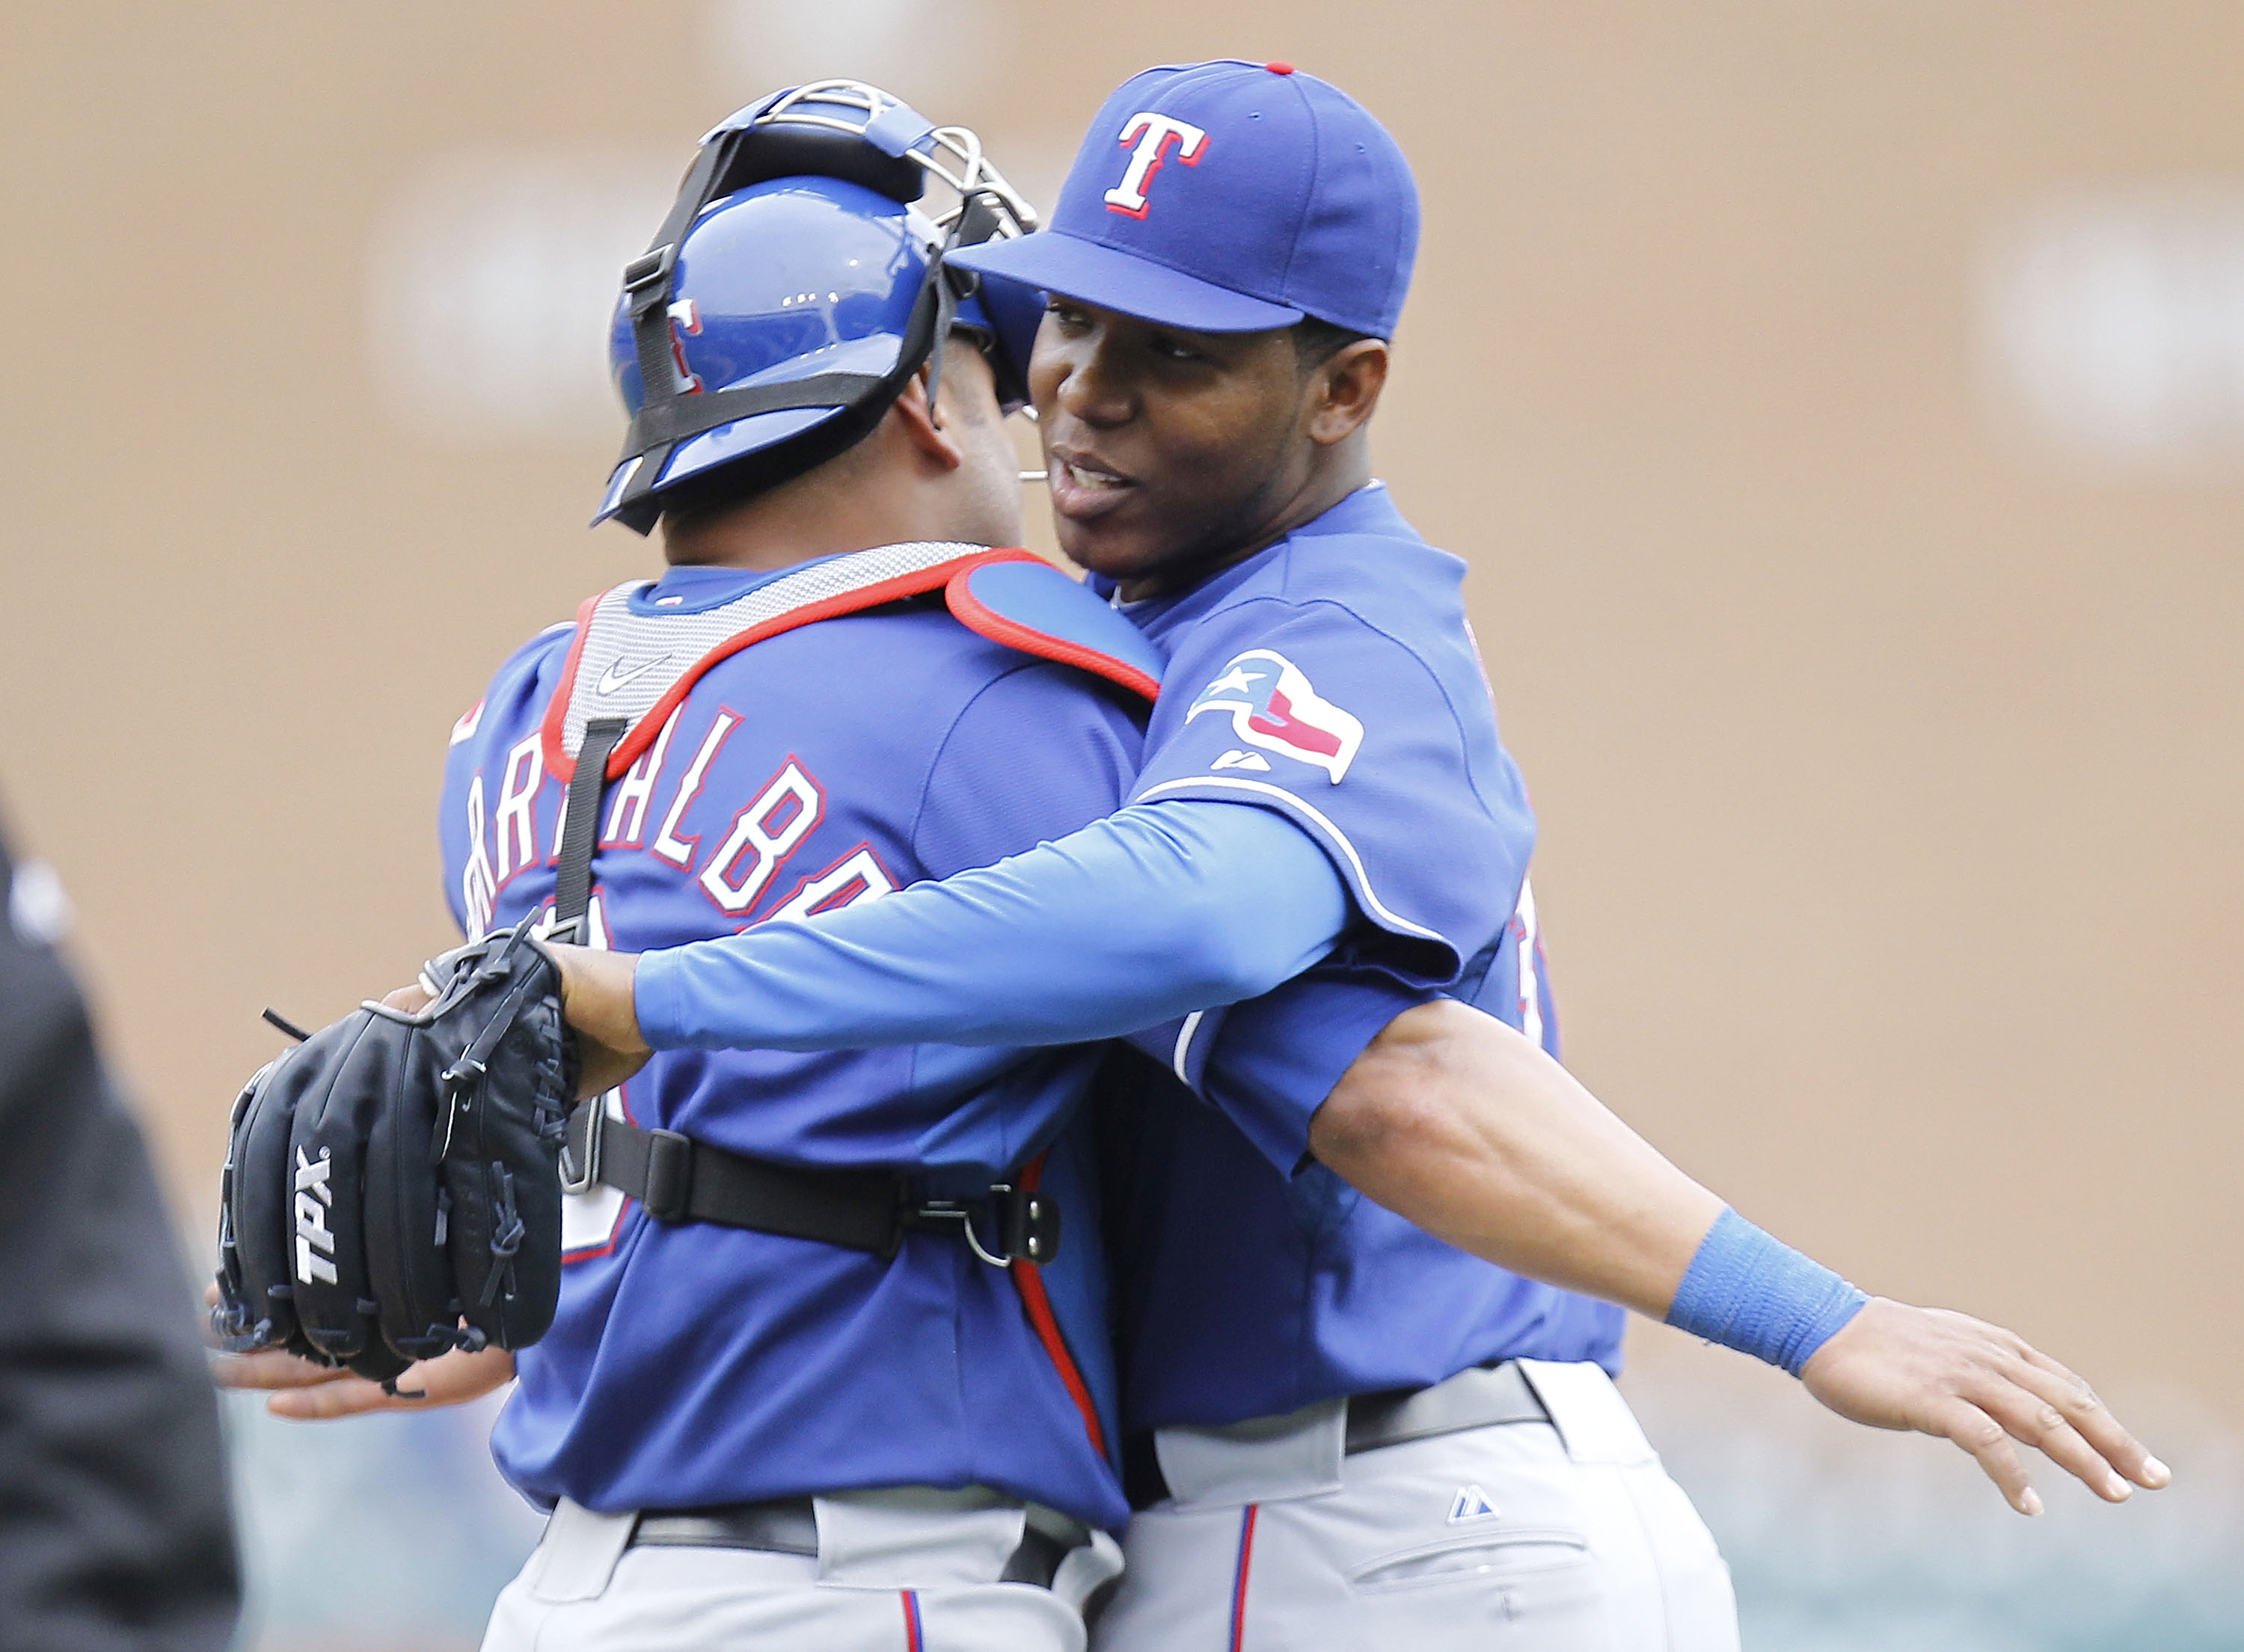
point(1136, 918)
point(1382, 749)
point(1275, 1060)
point(510, 708)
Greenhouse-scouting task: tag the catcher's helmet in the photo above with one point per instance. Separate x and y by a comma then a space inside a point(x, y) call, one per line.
point(795, 290)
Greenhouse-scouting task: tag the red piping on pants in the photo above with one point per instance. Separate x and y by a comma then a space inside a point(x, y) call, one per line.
point(1238, 1583)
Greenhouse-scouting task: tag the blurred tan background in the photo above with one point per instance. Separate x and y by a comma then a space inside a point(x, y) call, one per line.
point(1841, 407)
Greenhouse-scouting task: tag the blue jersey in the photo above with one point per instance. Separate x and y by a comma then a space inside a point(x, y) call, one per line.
point(792, 752)
point(1331, 677)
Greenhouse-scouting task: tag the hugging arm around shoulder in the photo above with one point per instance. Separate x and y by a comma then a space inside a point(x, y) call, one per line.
point(1153, 912)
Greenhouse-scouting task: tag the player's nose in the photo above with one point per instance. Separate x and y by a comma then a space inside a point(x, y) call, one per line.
point(1090, 385)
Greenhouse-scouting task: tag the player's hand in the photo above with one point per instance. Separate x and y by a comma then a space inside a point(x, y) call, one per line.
point(1895, 1367)
point(410, 1001)
point(596, 1001)
point(311, 1392)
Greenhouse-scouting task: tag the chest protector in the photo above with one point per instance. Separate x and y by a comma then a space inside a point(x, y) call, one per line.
point(627, 669)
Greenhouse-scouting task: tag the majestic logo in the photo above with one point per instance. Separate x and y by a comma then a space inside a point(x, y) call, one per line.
point(1153, 135)
point(316, 1241)
point(1273, 705)
point(1471, 1504)
point(617, 676)
point(1235, 758)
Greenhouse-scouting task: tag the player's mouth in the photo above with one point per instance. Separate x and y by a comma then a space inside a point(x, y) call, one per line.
point(1083, 488)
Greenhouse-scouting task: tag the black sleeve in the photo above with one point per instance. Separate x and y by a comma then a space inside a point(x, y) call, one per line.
point(115, 1530)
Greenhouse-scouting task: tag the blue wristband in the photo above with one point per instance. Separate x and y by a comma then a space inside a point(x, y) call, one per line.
point(1758, 1295)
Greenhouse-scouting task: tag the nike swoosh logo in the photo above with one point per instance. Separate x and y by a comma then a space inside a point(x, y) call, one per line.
point(615, 677)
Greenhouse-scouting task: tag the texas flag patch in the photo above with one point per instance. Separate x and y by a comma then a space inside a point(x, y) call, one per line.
point(1273, 705)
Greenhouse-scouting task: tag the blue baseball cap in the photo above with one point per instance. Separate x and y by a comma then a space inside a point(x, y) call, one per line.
point(1227, 197)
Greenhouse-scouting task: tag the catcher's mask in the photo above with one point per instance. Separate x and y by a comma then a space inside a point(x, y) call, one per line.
point(793, 290)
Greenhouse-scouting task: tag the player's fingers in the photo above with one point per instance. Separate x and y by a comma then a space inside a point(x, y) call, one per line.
point(410, 1000)
point(2093, 1421)
point(1986, 1440)
point(271, 1369)
point(2034, 1419)
point(352, 1397)
point(452, 1378)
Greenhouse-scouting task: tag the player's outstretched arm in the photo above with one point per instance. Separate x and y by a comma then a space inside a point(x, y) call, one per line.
point(1468, 1129)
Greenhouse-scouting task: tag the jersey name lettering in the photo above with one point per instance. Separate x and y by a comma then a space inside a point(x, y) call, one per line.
point(516, 827)
point(772, 827)
point(628, 797)
point(742, 871)
point(667, 844)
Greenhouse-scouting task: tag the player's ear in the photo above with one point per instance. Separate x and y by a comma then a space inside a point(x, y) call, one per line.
point(932, 441)
point(1344, 392)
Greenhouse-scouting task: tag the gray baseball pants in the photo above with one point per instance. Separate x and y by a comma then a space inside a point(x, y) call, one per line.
point(1558, 1536)
point(912, 1569)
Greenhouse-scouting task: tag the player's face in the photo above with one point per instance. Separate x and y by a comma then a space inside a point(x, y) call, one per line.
point(1170, 451)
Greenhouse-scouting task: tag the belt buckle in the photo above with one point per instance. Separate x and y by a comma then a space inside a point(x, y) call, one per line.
point(579, 1179)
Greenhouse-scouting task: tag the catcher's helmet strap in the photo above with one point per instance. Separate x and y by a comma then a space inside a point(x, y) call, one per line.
point(679, 411)
point(662, 423)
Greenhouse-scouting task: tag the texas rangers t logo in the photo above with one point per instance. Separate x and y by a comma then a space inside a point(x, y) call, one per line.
point(1153, 134)
point(1273, 705)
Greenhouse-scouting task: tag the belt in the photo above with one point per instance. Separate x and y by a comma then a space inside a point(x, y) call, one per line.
point(1480, 1397)
point(790, 1525)
point(679, 1179)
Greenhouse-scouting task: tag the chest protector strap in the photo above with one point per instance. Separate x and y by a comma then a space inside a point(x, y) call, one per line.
point(626, 672)
point(628, 663)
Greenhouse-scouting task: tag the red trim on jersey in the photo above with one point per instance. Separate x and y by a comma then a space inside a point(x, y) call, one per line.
point(1031, 1283)
point(911, 1621)
point(978, 616)
point(1239, 1579)
point(562, 767)
point(950, 575)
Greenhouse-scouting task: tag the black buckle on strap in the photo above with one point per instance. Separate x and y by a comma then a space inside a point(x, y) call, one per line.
point(649, 269)
point(669, 1175)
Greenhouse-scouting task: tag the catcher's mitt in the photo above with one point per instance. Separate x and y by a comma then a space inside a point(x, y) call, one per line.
point(392, 1185)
